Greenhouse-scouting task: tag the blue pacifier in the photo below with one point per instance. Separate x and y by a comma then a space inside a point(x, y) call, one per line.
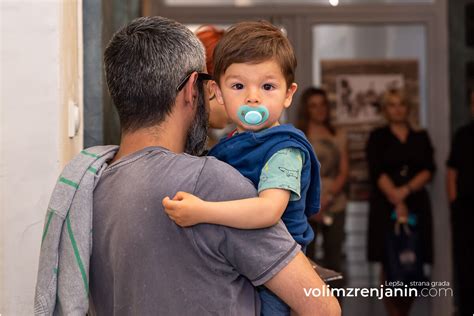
point(253, 115)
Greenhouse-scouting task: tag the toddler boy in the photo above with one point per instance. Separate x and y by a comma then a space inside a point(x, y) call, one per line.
point(254, 67)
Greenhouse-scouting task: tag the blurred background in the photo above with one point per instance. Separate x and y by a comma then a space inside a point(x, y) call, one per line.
point(54, 102)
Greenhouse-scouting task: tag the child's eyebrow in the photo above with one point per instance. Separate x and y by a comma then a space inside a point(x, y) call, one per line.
point(270, 77)
point(231, 77)
point(238, 77)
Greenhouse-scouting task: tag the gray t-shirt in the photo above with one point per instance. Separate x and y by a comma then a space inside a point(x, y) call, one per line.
point(144, 264)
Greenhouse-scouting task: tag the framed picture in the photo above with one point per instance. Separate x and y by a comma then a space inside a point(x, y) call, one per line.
point(359, 97)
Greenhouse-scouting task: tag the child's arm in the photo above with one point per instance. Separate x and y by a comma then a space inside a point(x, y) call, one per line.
point(259, 212)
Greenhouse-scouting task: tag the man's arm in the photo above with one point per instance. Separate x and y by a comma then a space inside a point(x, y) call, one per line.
point(268, 256)
point(294, 284)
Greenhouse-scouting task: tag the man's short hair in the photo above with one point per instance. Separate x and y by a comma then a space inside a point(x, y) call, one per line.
point(144, 63)
point(254, 42)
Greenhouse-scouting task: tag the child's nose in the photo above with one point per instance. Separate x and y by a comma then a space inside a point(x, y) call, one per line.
point(253, 97)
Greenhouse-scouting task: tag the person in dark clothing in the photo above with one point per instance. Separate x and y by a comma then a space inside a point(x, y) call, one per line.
point(400, 165)
point(460, 189)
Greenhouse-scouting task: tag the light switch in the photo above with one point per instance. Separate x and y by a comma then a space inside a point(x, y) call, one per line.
point(74, 119)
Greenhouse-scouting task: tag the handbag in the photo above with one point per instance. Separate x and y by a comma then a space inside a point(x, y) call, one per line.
point(403, 255)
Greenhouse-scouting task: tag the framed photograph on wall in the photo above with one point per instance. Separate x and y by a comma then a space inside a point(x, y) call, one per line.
point(359, 97)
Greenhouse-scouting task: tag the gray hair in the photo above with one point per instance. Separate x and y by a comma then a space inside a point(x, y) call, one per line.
point(144, 63)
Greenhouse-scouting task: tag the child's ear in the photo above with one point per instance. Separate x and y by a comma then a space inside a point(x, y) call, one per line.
point(289, 95)
point(217, 92)
point(210, 90)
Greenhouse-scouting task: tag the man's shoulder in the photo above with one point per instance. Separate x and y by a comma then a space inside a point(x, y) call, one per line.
point(220, 181)
point(212, 164)
point(212, 171)
point(213, 167)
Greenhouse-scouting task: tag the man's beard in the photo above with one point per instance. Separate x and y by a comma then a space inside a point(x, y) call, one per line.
point(197, 134)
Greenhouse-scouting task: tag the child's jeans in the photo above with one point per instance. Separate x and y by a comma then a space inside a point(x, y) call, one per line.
point(271, 305)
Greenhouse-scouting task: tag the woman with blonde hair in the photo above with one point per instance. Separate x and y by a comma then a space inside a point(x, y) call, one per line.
point(401, 164)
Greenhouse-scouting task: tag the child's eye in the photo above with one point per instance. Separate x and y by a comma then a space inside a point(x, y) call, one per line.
point(268, 87)
point(237, 86)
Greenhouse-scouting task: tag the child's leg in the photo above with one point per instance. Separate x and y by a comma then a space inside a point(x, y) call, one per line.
point(271, 305)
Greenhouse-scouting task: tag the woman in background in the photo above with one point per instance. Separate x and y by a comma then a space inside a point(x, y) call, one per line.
point(330, 146)
point(400, 165)
point(209, 36)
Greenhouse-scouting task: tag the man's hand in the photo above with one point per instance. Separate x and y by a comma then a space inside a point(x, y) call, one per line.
point(184, 209)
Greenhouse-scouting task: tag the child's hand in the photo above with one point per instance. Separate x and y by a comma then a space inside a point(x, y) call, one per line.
point(184, 209)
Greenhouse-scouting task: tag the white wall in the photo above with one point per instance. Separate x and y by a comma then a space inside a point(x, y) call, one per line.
point(32, 138)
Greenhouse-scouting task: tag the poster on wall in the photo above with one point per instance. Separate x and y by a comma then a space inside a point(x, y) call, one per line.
point(359, 97)
point(355, 91)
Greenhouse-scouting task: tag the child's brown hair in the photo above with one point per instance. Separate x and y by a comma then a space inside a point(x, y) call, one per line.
point(254, 42)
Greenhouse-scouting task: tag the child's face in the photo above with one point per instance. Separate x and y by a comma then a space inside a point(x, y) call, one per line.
point(262, 86)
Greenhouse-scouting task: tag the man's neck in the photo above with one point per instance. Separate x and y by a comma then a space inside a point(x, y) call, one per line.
point(166, 136)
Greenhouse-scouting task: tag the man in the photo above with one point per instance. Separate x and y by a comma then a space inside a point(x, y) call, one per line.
point(460, 189)
point(144, 264)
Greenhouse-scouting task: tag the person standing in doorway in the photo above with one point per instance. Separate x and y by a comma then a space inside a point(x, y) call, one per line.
point(460, 189)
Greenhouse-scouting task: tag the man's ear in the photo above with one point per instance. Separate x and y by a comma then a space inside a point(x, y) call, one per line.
point(190, 90)
point(289, 95)
point(217, 92)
